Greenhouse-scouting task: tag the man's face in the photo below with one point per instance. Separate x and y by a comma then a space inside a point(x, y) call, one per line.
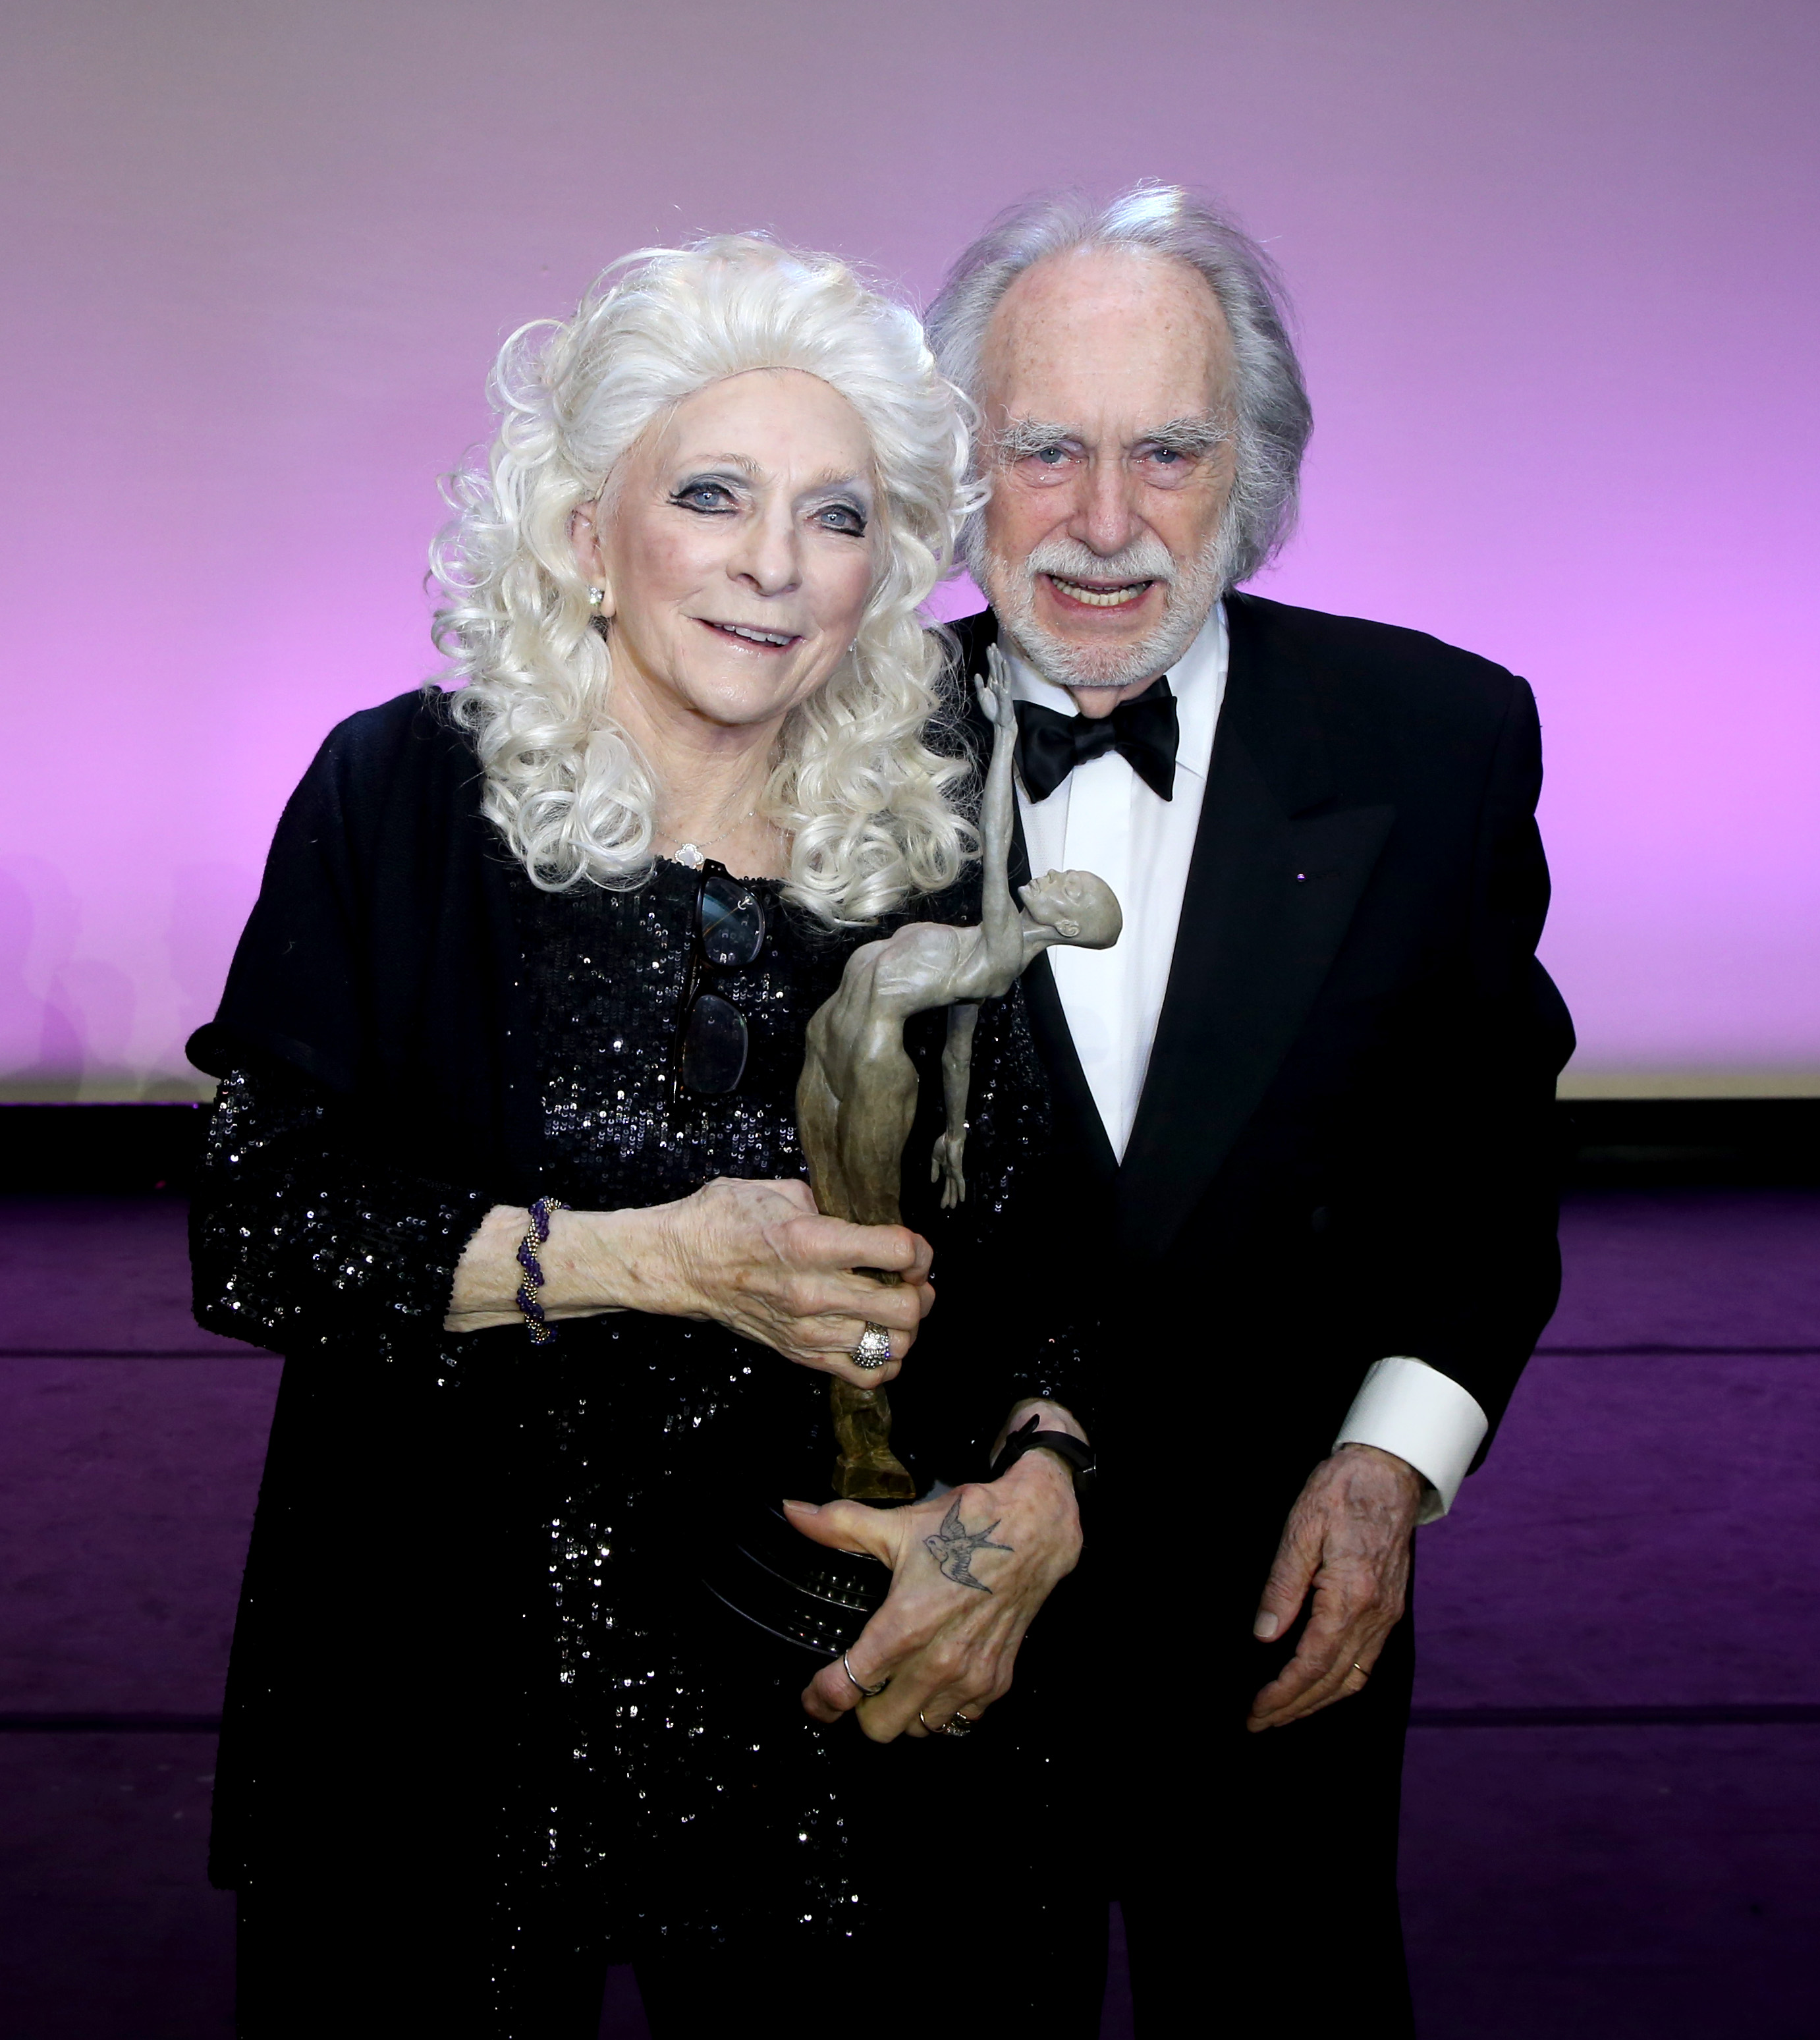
point(1106, 385)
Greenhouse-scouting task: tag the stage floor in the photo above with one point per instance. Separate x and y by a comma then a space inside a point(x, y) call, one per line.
point(1611, 1818)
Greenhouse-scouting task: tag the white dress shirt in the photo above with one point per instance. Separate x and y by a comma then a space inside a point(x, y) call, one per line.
point(1103, 818)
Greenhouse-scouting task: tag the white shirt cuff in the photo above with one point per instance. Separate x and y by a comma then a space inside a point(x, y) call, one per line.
point(1409, 1408)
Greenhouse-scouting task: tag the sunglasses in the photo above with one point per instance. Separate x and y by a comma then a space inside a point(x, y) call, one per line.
point(727, 932)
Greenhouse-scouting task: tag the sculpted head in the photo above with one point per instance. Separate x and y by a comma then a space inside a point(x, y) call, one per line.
point(1142, 422)
point(1081, 909)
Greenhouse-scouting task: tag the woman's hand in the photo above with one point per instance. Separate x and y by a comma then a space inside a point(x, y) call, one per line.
point(761, 1260)
point(970, 1569)
point(757, 1257)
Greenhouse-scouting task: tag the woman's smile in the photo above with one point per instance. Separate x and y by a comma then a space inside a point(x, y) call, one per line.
point(759, 638)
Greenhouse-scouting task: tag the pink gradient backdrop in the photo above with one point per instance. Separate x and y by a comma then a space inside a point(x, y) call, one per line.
point(1557, 271)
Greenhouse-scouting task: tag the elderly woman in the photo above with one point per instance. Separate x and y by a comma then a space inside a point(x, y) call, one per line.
point(504, 1162)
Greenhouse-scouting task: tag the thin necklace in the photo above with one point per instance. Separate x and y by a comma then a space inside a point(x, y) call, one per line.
point(691, 853)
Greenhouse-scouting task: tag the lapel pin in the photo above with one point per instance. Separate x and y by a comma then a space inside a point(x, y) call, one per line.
point(1301, 878)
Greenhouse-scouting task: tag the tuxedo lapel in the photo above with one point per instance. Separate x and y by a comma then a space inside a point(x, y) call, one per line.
point(1080, 1133)
point(1270, 892)
point(1079, 1128)
point(1276, 875)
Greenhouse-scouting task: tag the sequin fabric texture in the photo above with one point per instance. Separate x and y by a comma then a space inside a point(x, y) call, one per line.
point(664, 1780)
point(677, 1756)
point(687, 1781)
point(295, 1242)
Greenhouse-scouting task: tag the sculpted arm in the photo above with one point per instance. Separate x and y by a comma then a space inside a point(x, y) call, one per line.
point(1001, 924)
point(957, 1075)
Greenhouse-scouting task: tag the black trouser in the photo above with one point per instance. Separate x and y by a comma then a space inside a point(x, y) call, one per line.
point(1286, 1909)
point(1257, 1872)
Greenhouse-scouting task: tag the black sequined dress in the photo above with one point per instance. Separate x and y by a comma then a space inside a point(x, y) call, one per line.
point(474, 1639)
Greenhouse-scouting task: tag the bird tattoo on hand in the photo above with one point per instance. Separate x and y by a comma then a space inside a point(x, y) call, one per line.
point(953, 1545)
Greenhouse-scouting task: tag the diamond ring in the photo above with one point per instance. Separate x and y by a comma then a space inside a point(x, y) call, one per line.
point(873, 1348)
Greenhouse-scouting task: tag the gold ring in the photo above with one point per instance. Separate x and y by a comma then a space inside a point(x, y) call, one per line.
point(1358, 1668)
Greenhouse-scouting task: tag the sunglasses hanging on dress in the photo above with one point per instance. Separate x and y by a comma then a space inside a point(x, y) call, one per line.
point(727, 932)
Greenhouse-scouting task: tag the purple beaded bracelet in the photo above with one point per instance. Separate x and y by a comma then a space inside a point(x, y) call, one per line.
point(541, 1330)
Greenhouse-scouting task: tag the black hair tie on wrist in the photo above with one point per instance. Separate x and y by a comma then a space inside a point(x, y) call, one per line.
point(1076, 1453)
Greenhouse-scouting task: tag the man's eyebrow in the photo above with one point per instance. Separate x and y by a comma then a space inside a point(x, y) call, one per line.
point(1022, 437)
point(1190, 435)
point(1197, 433)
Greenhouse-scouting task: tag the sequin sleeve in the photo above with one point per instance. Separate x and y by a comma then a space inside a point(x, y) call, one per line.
point(297, 1237)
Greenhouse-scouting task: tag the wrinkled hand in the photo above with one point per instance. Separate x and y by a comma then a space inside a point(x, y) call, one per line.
point(759, 1258)
point(970, 1569)
point(1347, 1537)
point(945, 1168)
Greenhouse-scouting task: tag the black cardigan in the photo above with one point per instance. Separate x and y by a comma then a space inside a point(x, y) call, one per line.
point(380, 958)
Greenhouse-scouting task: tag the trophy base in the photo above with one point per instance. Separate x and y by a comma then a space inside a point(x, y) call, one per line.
point(772, 1576)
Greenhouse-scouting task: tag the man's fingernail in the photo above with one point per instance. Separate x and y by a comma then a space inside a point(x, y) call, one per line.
point(1265, 1627)
point(809, 1508)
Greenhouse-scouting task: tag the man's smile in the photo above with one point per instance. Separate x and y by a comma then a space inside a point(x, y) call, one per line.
point(1099, 594)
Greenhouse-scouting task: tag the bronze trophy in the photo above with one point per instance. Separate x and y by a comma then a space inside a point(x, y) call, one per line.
point(855, 1106)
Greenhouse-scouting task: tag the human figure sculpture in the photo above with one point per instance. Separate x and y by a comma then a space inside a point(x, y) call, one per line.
point(857, 1098)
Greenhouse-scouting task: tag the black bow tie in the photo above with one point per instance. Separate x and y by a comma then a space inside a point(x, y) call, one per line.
point(1142, 731)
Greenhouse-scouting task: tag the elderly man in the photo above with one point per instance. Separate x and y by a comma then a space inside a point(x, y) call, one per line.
point(1304, 1107)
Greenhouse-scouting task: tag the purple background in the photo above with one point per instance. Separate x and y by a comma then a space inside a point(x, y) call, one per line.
point(1557, 271)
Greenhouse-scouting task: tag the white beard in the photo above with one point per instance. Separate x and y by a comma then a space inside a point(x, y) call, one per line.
point(1190, 592)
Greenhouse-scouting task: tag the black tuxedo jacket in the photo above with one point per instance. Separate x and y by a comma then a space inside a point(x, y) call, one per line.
point(1344, 1148)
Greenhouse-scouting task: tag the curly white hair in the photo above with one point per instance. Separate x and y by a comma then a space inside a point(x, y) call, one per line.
point(862, 798)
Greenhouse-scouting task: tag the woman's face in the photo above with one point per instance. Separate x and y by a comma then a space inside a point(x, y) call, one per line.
point(736, 548)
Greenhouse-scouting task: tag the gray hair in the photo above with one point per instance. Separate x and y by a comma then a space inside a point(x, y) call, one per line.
point(1271, 416)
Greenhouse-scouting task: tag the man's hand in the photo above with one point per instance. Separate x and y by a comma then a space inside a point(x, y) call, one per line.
point(1348, 1536)
point(970, 1569)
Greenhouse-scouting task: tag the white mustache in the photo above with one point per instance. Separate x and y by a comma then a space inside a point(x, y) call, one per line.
point(1144, 559)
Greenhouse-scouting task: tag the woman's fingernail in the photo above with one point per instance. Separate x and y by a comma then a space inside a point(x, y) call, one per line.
point(809, 1508)
point(1265, 1627)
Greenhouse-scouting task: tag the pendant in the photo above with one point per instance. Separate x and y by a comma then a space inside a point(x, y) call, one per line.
point(688, 854)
